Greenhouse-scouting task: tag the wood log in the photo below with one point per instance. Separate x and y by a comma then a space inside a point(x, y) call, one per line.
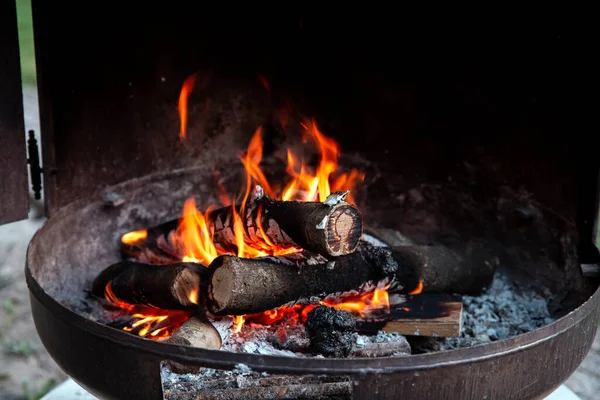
point(464, 268)
point(242, 286)
point(428, 314)
point(331, 228)
point(197, 331)
point(247, 286)
point(170, 287)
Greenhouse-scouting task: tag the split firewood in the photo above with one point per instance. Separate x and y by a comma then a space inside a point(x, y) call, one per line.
point(242, 286)
point(331, 228)
point(197, 331)
point(428, 314)
point(246, 286)
point(170, 287)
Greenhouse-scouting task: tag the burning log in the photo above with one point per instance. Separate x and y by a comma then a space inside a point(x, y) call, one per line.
point(242, 286)
point(428, 314)
point(197, 331)
point(170, 287)
point(331, 228)
point(247, 286)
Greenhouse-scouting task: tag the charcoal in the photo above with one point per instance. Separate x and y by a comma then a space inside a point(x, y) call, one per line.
point(331, 331)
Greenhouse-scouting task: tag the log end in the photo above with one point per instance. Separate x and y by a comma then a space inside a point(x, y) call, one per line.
point(197, 332)
point(343, 230)
point(186, 288)
point(222, 284)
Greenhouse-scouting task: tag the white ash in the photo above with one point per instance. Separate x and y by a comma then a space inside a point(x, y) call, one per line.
point(223, 326)
point(503, 311)
point(381, 337)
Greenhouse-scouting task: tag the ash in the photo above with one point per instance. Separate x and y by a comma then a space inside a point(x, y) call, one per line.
point(502, 311)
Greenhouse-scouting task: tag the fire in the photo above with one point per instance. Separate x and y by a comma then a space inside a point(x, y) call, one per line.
point(193, 238)
point(186, 89)
point(418, 289)
point(361, 305)
point(150, 322)
point(364, 304)
point(134, 237)
point(307, 186)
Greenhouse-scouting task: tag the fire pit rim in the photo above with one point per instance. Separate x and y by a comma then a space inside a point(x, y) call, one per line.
point(228, 360)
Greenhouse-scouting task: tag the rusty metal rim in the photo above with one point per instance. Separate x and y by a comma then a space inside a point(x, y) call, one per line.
point(228, 360)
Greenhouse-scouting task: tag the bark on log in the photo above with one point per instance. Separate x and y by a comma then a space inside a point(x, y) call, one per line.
point(466, 268)
point(246, 286)
point(331, 228)
point(170, 287)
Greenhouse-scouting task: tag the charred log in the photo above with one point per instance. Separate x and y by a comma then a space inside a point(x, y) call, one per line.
point(331, 331)
point(247, 286)
point(170, 287)
point(331, 228)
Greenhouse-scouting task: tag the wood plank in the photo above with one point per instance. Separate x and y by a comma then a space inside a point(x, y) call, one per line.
point(14, 205)
point(428, 314)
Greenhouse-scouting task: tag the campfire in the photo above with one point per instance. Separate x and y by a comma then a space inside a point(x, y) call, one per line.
point(287, 256)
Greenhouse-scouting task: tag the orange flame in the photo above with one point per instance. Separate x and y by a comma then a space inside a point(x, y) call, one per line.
point(251, 161)
point(306, 186)
point(186, 89)
point(193, 237)
point(418, 289)
point(150, 322)
point(134, 237)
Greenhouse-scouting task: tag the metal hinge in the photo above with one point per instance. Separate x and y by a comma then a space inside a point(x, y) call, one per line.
point(35, 170)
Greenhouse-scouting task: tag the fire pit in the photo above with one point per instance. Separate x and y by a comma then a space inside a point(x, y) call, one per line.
point(63, 309)
point(195, 248)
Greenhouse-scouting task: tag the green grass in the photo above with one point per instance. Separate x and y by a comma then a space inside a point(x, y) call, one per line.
point(26, 41)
